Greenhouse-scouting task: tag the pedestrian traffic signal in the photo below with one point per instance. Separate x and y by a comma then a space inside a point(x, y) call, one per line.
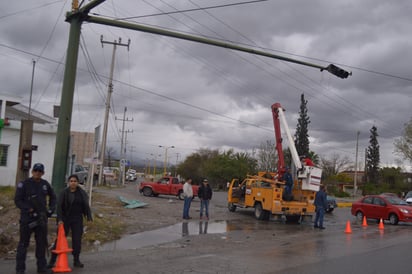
point(335, 70)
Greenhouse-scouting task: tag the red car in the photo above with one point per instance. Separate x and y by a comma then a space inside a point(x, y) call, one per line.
point(386, 207)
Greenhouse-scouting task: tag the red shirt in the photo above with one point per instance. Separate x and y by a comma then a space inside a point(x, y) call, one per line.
point(308, 162)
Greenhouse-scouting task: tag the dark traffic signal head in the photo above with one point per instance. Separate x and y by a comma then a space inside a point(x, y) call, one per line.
point(341, 73)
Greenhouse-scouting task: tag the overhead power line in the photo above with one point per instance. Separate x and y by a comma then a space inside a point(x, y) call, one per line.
point(190, 10)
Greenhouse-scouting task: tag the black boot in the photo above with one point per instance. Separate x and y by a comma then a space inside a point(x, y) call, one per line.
point(77, 262)
point(52, 261)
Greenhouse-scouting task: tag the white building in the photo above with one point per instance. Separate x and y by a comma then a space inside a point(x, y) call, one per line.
point(44, 138)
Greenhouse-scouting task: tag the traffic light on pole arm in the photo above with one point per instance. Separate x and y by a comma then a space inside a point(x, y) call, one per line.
point(335, 70)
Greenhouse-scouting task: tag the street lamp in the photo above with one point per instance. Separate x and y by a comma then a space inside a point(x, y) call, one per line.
point(165, 163)
point(154, 163)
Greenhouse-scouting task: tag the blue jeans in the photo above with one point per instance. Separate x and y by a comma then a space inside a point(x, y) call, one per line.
point(204, 204)
point(186, 207)
point(288, 189)
point(320, 211)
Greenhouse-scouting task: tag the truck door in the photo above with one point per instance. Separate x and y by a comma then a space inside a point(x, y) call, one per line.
point(175, 187)
point(163, 186)
point(233, 193)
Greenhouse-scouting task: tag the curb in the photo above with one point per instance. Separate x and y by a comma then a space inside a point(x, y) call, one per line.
point(344, 204)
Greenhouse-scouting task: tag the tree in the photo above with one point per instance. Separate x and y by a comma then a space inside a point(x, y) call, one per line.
point(334, 165)
point(372, 157)
point(403, 145)
point(267, 156)
point(194, 165)
point(392, 177)
point(217, 167)
point(301, 134)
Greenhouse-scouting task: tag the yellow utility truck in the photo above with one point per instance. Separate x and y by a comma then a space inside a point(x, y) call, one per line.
point(265, 192)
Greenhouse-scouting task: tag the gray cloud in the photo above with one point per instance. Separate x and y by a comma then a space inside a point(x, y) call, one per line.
point(191, 96)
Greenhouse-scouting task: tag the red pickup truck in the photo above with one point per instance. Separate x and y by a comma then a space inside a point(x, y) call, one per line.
point(165, 186)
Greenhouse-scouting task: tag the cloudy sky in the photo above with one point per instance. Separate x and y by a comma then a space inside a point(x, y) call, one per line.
point(188, 95)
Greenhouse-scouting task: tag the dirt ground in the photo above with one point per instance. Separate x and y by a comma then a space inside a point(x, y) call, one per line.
point(112, 220)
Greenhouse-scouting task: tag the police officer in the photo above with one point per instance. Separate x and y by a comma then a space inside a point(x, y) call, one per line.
point(72, 205)
point(31, 198)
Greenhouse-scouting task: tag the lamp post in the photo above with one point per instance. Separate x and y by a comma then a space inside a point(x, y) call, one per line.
point(154, 164)
point(165, 163)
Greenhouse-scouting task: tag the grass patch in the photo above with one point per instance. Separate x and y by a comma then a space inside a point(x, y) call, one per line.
point(7, 199)
point(107, 223)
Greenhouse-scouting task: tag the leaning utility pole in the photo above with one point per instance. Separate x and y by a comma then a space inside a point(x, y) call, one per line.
point(109, 96)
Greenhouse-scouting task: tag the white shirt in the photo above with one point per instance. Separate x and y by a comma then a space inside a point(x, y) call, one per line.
point(187, 190)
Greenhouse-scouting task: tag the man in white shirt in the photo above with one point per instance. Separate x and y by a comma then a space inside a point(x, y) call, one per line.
point(188, 194)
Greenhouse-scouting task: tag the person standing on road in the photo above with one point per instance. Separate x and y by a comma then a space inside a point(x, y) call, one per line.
point(31, 198)
point(188, 194)
point(320, 204)
point(72, 205)
point(205, 195)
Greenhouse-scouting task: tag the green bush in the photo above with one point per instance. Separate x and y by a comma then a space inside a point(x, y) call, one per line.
point(341, 194)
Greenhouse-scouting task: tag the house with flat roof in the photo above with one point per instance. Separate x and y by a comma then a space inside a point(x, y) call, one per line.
point(12, 112)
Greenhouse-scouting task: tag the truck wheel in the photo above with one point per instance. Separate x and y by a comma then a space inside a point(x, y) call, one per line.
point(260, 213)
point(147, 191)
point(180, 195)
point(231, 207)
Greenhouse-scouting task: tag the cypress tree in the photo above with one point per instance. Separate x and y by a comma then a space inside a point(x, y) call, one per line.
point(301, 134)
point(372, 157)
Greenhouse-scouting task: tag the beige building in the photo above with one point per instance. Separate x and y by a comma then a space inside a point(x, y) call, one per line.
point(82, 146)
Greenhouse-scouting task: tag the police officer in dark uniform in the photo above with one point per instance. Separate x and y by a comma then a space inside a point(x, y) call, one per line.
point(72, 206)
point(31, 198)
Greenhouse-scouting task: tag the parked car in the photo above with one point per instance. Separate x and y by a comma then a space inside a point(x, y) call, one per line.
point(386, 207)
point(81, 172)
point(331, 204)
point(408, 197)
point(131, 175)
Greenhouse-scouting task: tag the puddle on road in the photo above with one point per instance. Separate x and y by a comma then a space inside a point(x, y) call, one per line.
point(164, 235)
point(175, 232)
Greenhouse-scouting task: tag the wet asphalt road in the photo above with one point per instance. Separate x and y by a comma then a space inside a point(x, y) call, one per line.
point(245, 245)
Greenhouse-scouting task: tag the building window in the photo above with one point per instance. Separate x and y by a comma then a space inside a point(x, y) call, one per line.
point(4, 149)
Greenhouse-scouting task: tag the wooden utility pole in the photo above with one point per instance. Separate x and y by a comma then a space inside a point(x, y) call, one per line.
point(123, 147)
point(108, 98)
point(355, 180)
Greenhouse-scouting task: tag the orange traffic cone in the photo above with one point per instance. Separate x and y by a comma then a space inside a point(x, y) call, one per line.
point(381, 224)
point(348, 230)
point(62, 248)
point(364, 223)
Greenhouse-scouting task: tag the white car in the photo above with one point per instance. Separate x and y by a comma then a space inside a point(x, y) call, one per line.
point(131, 175)
point(408, 197)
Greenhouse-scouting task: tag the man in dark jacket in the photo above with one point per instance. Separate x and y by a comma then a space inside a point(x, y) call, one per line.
point(321, 204)
point(72, 205)
point(31, 198)
point(205, 195)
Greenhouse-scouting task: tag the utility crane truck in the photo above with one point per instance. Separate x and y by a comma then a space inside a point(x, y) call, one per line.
point(265, 192)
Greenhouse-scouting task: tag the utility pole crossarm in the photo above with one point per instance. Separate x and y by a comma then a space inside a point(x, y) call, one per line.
point(127, 25)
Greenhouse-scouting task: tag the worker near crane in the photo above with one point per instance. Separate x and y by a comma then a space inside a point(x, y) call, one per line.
point(320, 204)
point(287, 178)
point(306, 161)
